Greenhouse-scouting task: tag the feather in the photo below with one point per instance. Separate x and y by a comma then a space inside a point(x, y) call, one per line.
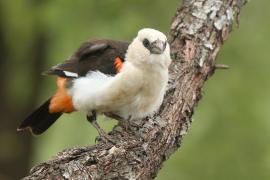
point(40, 120)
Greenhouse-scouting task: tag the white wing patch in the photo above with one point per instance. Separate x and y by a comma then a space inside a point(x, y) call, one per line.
point(70, 74)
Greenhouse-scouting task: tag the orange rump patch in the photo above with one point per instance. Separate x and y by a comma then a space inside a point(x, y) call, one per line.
point(118, 64)
point(61, 101)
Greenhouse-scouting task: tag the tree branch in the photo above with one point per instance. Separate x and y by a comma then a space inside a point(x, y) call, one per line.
point(198, 31)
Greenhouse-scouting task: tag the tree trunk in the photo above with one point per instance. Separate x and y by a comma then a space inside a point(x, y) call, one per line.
point(197, 34)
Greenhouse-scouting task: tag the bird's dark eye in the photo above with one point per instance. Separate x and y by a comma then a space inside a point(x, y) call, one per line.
point(146, 43)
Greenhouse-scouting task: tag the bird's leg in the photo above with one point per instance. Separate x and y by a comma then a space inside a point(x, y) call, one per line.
point(92, 118)
point(122, 121)
point(125, 123)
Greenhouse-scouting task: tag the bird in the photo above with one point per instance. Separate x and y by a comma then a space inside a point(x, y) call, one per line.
point(115, 78)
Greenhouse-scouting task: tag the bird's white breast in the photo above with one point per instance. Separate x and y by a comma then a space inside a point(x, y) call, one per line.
point(149, 96)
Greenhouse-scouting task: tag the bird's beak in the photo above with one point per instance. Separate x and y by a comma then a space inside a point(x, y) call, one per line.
point(157, 47)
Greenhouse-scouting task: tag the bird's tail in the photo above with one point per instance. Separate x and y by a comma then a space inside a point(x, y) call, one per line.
point(40, 120)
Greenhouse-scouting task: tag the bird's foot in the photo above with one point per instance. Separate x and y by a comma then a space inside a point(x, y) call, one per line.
point(125, 124)
point(103, 136)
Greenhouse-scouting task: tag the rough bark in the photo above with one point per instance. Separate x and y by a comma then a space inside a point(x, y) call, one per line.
point(197, 34)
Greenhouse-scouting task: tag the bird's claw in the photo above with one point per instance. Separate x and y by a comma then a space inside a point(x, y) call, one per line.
point(105, 138)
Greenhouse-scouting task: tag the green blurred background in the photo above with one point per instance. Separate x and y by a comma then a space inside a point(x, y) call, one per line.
point(229, 138)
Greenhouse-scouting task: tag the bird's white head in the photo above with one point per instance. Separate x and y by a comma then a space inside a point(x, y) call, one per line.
point(149, 47)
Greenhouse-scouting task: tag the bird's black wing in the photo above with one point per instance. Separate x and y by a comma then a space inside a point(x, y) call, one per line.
point(95, 55)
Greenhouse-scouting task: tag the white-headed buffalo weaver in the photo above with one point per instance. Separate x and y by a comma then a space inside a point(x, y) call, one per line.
point(126, 80)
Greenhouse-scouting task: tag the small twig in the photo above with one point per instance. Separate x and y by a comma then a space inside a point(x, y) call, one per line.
point(221, 66)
